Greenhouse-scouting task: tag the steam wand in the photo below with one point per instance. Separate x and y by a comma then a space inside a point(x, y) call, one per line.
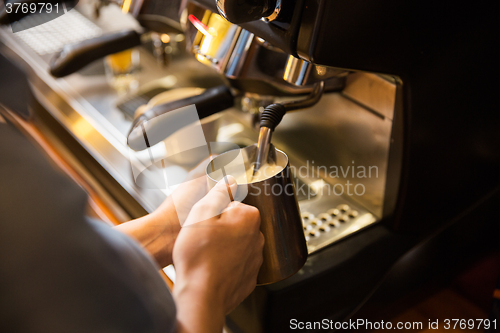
point(271, 117)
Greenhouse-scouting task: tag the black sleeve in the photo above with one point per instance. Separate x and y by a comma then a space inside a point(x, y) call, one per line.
point(60, 272)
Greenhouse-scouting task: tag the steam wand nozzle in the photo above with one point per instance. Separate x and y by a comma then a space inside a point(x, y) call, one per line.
point(272, 116)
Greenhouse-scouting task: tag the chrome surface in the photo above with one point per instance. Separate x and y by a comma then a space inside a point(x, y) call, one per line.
point(330, 140)
point(307, 102)
point(341, 131)
point(263, 144)
point(236, 53)
point(333, 225)
point(238, 11)
point(86, 105)
point(374, 92)
point(265, 133)
point(297, 71)
point(301, 73)
point(51, 36)
point(285, 249)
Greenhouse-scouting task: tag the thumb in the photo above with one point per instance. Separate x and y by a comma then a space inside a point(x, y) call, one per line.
point(217, 199)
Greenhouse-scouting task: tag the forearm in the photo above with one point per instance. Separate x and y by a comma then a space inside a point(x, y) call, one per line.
point(156, 232)
point(198, 311)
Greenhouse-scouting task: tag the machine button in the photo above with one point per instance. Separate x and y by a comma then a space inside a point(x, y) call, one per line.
point(306, 217)
point(333, 212)
point(316, 222)
point(324, 228)
point(343, 218)
point(344, 208)
point(313, 233)
point(324, 217)
point(353, 213)
point(334, 223)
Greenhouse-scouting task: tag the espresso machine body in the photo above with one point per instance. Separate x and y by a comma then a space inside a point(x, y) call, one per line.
point(444, 144)
point(443, 152)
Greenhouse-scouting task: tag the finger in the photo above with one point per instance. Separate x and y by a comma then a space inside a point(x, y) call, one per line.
point(187, 195)
point(233, 204)
point(216, 200)
point(240, 213)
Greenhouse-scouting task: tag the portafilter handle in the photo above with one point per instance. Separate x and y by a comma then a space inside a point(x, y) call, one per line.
point(150, 129)
point(74, 57)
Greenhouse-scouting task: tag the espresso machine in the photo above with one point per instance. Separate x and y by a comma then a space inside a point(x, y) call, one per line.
point(394, 146)
point(417, 73)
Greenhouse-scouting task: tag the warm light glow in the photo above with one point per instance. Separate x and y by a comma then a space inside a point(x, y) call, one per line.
point(205, 46)
point(82, 127)
point(212, 31)
point(165, 38)
point(212, 36)
point(179, 38)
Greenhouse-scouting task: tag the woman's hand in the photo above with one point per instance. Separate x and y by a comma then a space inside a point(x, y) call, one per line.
point(217, 257)
point(188, 193)
point(158, 231)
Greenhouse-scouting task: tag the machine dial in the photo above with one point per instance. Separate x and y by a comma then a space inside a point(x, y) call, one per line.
point(242, 11)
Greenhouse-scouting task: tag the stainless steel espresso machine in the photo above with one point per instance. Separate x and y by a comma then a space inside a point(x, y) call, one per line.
point(395, 163)
point(411, 99)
